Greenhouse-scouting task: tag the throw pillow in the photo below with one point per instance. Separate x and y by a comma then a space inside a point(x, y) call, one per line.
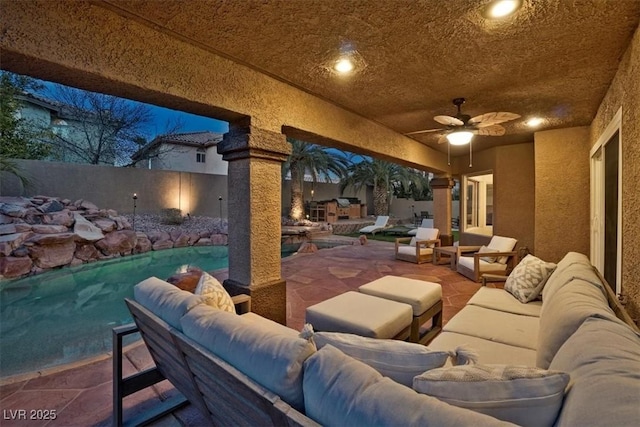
point(522, 395)
point(398, 360)
point(215, 294)
point(486, 250)
point(528, 278)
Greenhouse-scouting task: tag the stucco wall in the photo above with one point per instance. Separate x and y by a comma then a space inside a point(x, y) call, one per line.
point(514, 201)
point(183, 158)
point(625, 92)
point(561, 192)
point(112, 187)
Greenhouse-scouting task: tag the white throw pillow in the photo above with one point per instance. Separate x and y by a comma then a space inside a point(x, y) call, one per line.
point(486, 250)
point(215, 294)
point(528, 278)
point(523, 395)
point(398, 360)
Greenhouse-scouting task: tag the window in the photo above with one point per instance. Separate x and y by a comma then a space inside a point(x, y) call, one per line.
point(200, 156)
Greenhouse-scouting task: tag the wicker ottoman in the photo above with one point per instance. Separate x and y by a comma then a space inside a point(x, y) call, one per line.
point(425, 299)
point(361, 314)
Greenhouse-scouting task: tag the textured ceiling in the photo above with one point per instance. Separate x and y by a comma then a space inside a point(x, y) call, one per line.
point(554, 58)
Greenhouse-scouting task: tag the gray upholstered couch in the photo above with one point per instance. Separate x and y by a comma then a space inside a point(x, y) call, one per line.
point(244, 369)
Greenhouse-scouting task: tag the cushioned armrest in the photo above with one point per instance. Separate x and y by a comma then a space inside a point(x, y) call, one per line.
point(426, 243)
point(242, 303)
point(467, 249)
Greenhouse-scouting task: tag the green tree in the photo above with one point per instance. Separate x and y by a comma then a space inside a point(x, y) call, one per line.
point(385, 178)
point(19, 138)
point(315, 160)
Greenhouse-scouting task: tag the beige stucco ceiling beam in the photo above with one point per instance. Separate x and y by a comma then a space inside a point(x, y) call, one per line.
point(89, 46)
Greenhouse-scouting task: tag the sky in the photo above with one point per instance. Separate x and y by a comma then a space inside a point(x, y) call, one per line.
point(191, 122)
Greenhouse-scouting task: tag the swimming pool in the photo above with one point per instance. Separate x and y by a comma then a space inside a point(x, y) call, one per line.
point(67, 315)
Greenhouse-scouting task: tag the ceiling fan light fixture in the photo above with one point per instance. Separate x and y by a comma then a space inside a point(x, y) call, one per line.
point(461, 137)
point(502, 8)
point(343, 66)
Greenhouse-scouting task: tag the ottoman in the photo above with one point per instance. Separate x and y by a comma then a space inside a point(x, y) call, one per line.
point(425, 299)
point(361, 314)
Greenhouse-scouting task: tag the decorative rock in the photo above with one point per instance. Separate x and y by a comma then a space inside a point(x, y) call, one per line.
point(204, 234)
point(155, 236)
point(5, 219)
point(105, 225)
point(48, 229)
point(52, 239)
point(85, 204)
point(307, 248)
point(118, 242)
point(218, 239)
point(21, 251)
point(22, 227)
point(142, 245)
point(204, 241)
point(7, 229)
point(363, 239)
point(50, 256)
point(162, 244)
point(86, 252)
point(65, 202)
point(122, 223)
point(15, 267)
point(182, 241)
point(111, 213)
point(85, 230)
point(75, 262)
point(12, 210)
point(193, 238)
point(9, 242)
point(175, 234)
point(51, 206)
point(59, 218)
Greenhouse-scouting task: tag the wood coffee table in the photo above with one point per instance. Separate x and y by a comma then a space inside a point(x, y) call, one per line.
point(452, 253)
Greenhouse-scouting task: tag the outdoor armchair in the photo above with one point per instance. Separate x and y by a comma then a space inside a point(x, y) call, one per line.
point(498, 257)
point(419, 248)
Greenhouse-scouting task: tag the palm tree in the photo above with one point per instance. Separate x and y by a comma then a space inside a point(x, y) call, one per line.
point(315, 160)
point(384, 177)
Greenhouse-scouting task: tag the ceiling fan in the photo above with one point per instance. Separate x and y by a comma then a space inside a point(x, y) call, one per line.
point(460, 129)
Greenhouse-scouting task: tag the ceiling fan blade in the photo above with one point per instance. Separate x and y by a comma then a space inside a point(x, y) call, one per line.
point(492, 130)
point(489, 119)
point(422, 131)
point(448, 121)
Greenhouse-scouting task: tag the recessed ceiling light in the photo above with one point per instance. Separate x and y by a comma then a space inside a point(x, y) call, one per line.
point(534, 122)
point(343, 66)
point(502, 8)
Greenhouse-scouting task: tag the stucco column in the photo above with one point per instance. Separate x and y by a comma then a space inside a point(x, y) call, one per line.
point(442, 208)
point(254, 202)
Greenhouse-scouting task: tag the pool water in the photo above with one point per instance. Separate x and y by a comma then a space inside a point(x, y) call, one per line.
point(67, 315)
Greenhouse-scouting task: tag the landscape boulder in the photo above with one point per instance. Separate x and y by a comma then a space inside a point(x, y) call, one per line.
point(51, 239)
point(143, 244)
point(85, 230)
point(51, 206)
point(118, 242)
point(15, 267)
point(86, 252)
point(59, 218)
point(52, 255)
point(181, 241)
point(105, 224)
point(162, 244)
point(48, 229)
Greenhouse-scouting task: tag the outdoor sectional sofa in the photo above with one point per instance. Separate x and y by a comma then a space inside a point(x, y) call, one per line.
point(247, 370)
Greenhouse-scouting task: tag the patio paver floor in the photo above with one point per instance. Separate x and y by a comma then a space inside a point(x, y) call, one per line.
point(82, 396)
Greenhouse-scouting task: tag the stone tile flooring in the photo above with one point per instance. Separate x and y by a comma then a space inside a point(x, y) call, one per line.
point(83, 396)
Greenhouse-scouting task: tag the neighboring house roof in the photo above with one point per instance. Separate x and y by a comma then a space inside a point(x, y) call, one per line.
point(202, 139)
point(59, 109)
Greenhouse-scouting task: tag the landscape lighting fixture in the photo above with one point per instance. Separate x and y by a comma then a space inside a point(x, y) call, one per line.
point(460, 137)
point(502, 8)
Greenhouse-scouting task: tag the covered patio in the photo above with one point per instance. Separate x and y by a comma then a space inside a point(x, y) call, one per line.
point(81, 395)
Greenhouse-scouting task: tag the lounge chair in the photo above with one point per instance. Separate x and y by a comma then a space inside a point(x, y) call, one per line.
point(419, 248)
point(498, 257)
point(381, 223)
point(426, 223)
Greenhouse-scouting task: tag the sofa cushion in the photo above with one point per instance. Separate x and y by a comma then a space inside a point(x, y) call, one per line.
point(528, 278)
point(216, 295)
point(270, 324)
point(603, 357)
point(488, 351)
point(563, 314)
point(573, 264)
point(523, 395)
point(165, 300)
point(272, 359)
point(499, 299)
point(411, 250)
point(342, 391)
point(398, 360)
point(498, 326)
point(502, 244)
point(485, 250)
